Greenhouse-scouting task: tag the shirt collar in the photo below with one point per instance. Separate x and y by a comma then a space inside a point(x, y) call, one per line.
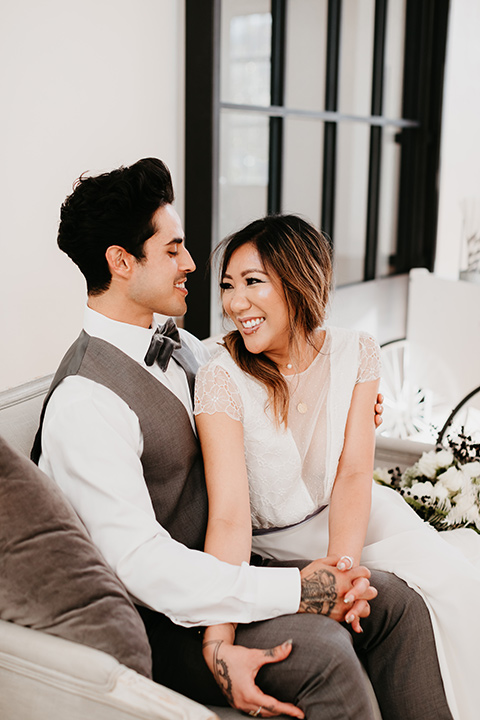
point(133, 340)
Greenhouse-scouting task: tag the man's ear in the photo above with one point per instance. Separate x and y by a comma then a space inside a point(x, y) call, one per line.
point(119, 261)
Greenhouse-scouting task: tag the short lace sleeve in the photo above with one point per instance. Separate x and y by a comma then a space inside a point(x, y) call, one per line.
point(215, 392)
point(369, 362)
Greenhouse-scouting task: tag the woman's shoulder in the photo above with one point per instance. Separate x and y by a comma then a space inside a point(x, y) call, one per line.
point(349, 335)
point(215, 389)
point(369, 360)
point(222, 370)
point(339, 338)
point(368, 346)
point(220, 361)
point(219, 358)
point(359, 344)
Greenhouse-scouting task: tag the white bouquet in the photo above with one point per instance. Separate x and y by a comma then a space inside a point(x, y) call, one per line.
point(443, 486)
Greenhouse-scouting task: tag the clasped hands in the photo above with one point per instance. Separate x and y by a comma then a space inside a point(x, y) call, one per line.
point(330, 587)
point(342, 594)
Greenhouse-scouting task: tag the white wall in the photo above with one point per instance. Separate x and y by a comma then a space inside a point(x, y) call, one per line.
point(460, 150)
point(85, 86)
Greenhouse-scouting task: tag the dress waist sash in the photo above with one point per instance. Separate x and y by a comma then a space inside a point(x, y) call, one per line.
point(267, 531)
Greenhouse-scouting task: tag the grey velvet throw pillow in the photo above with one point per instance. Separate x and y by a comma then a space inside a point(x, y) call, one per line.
point(52, 577)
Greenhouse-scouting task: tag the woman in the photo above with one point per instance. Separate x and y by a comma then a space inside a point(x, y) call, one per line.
point(284, 418)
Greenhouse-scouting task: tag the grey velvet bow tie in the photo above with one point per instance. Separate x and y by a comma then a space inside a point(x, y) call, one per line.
point(164, 341)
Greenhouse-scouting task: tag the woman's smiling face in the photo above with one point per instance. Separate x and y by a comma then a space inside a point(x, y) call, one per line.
point(254, 299)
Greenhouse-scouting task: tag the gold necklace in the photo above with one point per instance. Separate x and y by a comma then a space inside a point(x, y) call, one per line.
point(301, 406)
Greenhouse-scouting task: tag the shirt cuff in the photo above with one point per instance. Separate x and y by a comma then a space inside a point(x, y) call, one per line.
point(279, 592)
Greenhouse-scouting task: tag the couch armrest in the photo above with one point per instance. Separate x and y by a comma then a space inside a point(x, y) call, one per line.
point(20, 412)
point(43, 677)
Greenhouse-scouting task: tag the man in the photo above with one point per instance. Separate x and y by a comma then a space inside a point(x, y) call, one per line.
point(118, 437)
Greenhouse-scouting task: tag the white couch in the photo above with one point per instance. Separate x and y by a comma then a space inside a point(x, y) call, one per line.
point(43, 677)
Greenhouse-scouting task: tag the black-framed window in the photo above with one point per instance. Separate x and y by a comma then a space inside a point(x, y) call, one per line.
point(328, 108)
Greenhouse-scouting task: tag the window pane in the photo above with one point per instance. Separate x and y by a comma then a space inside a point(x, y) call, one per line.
point(393, 68)
point(245, 52)
point(306, 54)
point(353, 142)
point(389, 189)
point(302, 168)
point(356, 57)
point(243, 169)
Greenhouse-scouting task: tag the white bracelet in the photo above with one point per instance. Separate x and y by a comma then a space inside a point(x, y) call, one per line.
point(342, 562)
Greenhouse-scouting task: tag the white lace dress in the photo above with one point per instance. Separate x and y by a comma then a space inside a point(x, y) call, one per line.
point(291, 474)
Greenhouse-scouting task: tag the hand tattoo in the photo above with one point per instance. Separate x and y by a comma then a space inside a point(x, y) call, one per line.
point(220, 672)
point(319, 593)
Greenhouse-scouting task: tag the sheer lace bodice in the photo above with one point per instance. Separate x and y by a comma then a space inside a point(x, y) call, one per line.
point(291, 470)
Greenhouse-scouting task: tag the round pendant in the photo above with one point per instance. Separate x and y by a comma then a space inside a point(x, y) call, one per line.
point(302, 408)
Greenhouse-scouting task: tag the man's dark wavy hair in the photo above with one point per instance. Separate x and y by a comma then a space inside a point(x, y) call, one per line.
point(115, 208)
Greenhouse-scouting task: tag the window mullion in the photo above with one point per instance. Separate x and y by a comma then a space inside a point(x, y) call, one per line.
point(201, 158)
point(277, 85)
point(330, 130)
point(373, 201)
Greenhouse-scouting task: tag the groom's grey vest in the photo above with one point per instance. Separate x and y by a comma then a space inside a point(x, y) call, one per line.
point(171, 459)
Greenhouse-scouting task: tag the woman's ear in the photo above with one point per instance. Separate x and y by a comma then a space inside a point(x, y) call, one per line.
point(120, 262)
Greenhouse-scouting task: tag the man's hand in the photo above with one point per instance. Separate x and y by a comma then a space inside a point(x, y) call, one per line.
point(342, 595)
point(235, 669)
point(379, 410)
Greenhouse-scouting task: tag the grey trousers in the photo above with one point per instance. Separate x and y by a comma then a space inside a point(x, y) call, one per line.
point(323, 673)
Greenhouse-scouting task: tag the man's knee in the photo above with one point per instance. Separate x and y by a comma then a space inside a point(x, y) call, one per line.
point(318, 644)
point(322, 674)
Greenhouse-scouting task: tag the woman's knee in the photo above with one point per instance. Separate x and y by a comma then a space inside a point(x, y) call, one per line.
point(395, 597)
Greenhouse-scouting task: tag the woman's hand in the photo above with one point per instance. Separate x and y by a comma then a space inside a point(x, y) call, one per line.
point(345, 563)
point(341, 562)
point(343, 595)
point(379, 410)
point(235, 668)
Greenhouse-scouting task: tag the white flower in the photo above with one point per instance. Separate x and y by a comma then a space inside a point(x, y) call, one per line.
point(452, 479)
point(427, 465)
point(444, 458)
point(454, 489)
point(472, 469)
point(410, 475)
point(464, 510)
point(383, 475)
point(441, 493)
point(473, 515)
point(422, 489)
point(464, 501)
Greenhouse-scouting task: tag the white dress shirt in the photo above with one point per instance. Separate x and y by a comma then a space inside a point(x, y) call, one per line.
point(91, 446)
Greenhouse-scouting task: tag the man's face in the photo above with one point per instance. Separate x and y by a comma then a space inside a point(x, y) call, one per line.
point(157, 284)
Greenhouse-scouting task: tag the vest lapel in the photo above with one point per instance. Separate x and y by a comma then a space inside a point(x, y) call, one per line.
point(187, 360)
